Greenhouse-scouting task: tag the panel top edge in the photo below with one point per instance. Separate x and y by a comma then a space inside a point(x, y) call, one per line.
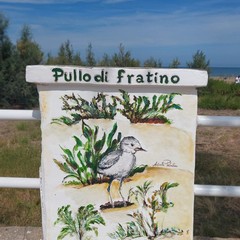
point(46, 74)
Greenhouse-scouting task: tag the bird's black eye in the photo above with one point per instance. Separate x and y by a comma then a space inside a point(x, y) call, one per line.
point(132, 144)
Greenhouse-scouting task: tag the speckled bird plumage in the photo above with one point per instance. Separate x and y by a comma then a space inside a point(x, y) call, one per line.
point(119, 163)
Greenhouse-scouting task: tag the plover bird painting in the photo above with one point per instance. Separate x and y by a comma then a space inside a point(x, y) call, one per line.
point(118, 164)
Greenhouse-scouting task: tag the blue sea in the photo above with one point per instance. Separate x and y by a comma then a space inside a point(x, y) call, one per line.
point(224, 71)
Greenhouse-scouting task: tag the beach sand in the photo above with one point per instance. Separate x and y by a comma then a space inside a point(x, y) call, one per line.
point(229, 79)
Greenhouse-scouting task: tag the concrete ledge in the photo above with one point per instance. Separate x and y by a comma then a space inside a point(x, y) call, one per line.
point(35, 233)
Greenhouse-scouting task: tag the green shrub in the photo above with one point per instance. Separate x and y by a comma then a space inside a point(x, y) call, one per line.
point(219, 95)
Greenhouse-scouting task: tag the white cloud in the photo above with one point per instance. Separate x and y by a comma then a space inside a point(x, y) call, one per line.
point(43, 1)
point(174, 30)
point(139, 30)
point(159, 30)
point(62, 1)
point(155, 35)
point(116, 1)
point(170, 29)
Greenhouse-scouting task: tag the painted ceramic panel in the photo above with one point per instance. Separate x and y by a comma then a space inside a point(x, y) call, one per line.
point(117, 160)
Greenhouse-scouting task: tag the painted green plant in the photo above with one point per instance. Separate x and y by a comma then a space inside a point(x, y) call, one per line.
point(81, 162)
point(80, 109)
point(83, 222)
point(138, 109)
point(142, 109)
point(145, 218)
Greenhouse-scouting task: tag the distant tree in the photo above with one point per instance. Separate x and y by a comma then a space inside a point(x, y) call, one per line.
point(175, 63)
point(77, 59)
point(15, 91)
point(65, 53)
point(105, 61)
point(123, 58)
point(50, 59)
point(5, 43)
point(4, 22)
point(6, 64)
point(90, 58)
point(199, 61)
point(29, 51)
point(65, 56)
point(152, 63)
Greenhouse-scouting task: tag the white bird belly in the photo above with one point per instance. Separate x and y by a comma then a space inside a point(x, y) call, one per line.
point(122, 167)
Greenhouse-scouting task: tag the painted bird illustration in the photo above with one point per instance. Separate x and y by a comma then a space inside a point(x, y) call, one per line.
point(118, 164)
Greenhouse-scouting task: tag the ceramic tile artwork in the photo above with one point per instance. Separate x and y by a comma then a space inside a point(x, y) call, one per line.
point(118, 151)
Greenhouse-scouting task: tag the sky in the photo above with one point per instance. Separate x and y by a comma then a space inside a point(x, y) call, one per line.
point(162, 29)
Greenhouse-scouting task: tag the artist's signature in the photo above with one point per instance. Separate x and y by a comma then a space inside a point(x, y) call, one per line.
point(165, 163)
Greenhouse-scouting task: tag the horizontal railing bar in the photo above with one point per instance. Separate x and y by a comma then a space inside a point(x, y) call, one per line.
point(217, 121)
point(216, 190)
point(8, 114)
point(199, 190)
point(15, 182)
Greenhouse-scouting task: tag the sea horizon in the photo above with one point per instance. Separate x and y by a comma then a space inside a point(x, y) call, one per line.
point(224, 71)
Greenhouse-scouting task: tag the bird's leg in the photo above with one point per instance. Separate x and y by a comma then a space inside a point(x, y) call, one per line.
point(120, 188)
point(109, 191)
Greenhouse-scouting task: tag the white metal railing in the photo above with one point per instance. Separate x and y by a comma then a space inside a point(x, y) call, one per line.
point(20, 115)
point(199, 190)
point(16, 182)
point(217, 121)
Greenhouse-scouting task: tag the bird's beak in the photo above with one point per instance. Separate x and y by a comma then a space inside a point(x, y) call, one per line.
point(140, 149)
